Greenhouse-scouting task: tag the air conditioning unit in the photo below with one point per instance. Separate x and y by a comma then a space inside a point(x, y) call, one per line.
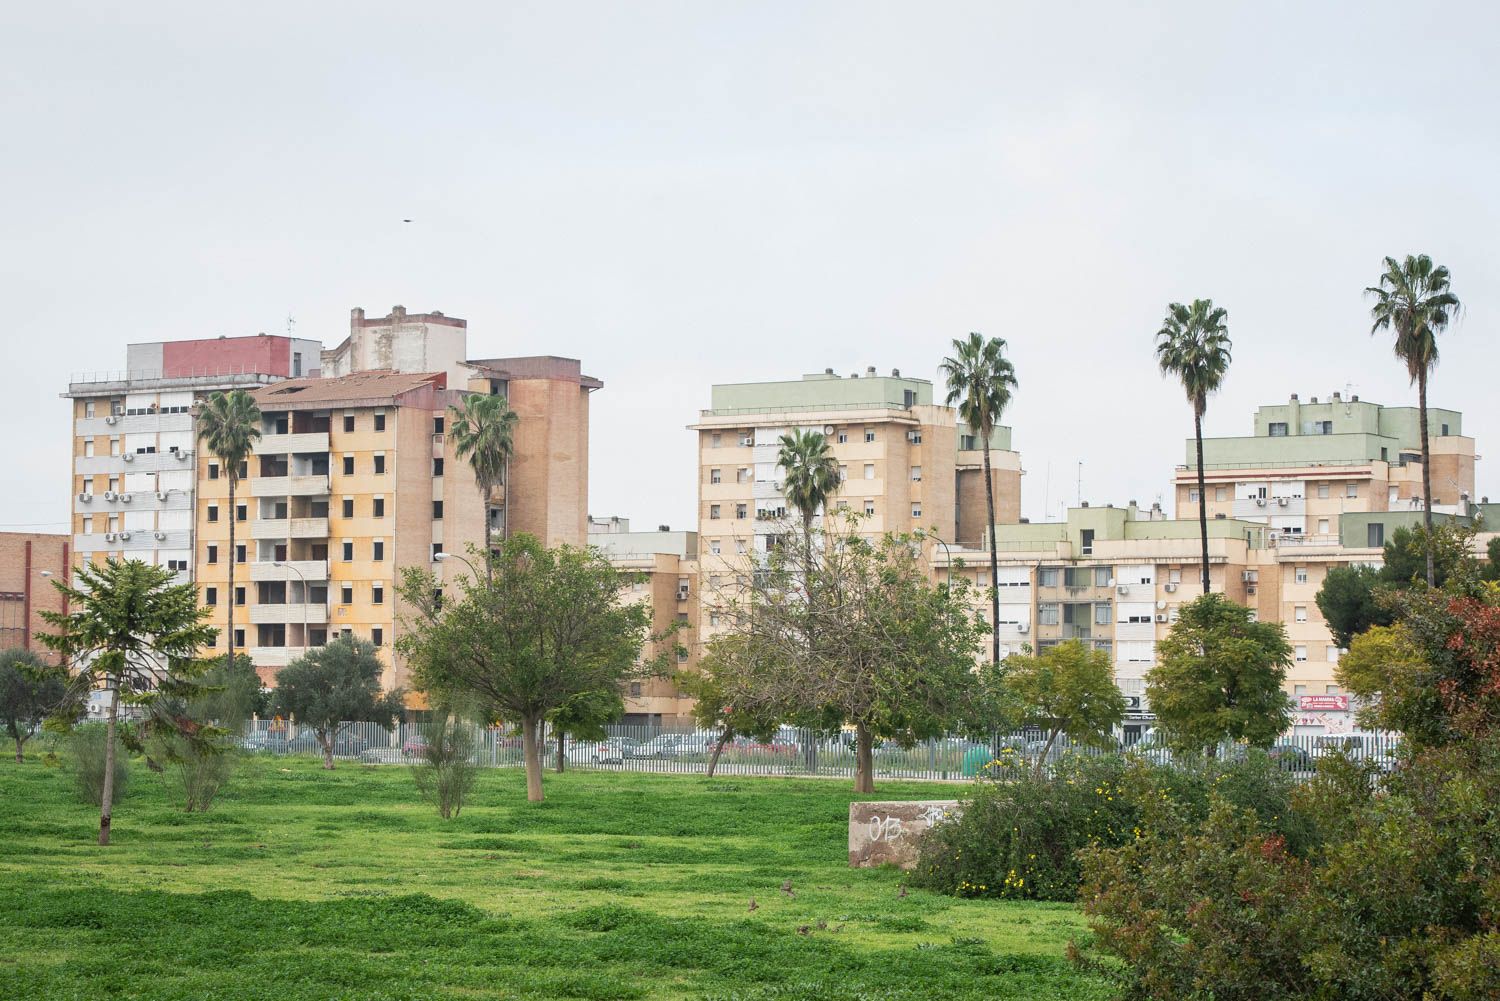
point(124, 536)
point(182, 455)
point(109, 536)
point(1283, 501)
point(160, 536)
point(1170, 588)
point(828, 429)
point(110, 419)
point(1161, 617)
point(1250, 589)
point(682, 594)
point(85, 497)
point(1122, 589)
point(110, 495)
point(128, 456)
point(1023, 627)
point(161, 495)
point(1249, 576)
point(125, 498)
point(1260, 502)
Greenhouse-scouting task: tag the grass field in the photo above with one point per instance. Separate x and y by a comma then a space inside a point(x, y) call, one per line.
point(303, 884)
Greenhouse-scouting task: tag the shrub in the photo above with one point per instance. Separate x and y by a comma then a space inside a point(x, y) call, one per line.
point(86, 746)
point(197, 771)
point(445, 770)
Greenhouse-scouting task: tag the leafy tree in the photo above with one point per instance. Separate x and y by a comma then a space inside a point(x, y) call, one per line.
point(483, 430)
point(981, 381)
point(1386, 672)
point(883, 649)
point(1193, 345)
point(1449, 546)
point(584, 717)
point(229, 693)
point(1067, 690)
point(811, 476)
point(133, 632)
point(30, 691)
point(1413, 299)
point(229, 427)
point(728, 699)
point(1491, 568)
point(1349, 602)
point(548, 627)
point(1219, 676)
point(334, 685)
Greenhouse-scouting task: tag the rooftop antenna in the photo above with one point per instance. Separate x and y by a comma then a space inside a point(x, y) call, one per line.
point(1348, 398)
point(291, 323)
point(1080, 483)
point(1047, 493)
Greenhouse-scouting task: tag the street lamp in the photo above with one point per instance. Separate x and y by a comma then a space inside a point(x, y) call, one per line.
point(445, 556)
point(288, 566)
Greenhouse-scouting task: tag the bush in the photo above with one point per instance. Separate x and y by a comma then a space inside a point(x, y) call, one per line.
point(197, 771)
point(86, 746)
point(446, 769)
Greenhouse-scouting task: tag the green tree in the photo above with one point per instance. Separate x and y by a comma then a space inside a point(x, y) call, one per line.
point(1193, 345)
point(548, 627)
point(811, 476)
point(728, 698)
point(334, 685)
point(229, 693)
point(30, 691)
point(1491, 568)
point(1350, 603)
point(584, 717)
point(229, 427)
point(1219, 676)
point(1067, 690)
point(1388, 675)
point(1410, 553)
point(981, 381)
point(1413, 300)
point(483, 429)
point(134, 633)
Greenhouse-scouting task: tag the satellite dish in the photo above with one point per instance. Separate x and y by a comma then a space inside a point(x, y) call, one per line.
point(1161, 604)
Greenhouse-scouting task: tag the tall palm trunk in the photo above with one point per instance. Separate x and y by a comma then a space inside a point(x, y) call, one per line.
point(233, 476)
point(1426, 473)
point(989, 501)
point(531, 747)
point(106, 799)
point(1202, 494)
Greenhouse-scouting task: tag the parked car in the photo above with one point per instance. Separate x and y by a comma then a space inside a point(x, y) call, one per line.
point(414, 747)
point(614, 751)
point(345, 745)
point(1290, 757)
point(666, 745)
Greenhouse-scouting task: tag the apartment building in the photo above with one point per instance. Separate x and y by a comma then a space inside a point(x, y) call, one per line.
point(664, 569)
point(1308, 464)
point(29, 563)
point(134, 437)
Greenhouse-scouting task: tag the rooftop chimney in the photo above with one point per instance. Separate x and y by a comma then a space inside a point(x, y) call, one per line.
point(1354, 398)
point(1336, 396)
point(870, 371)
point(1294, 397)
point(1312, 399)
point(895, 373)
point(828, 371)
point(663, 528)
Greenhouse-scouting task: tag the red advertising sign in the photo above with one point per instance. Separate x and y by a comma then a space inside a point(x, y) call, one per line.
point(1323, 703)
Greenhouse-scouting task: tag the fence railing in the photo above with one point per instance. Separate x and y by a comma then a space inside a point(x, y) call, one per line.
point(792, 752)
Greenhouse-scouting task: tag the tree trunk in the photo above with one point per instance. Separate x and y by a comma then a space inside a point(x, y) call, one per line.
point(1041, 762)
point(713, 760)
point(989, 501)
point(561, 749)
point(233, 476)
point(20, 742)
point(864, 759)
point(1202, 493)
point(1426, 473)
point(106, 800)
point(533, 752)
point(326, 739)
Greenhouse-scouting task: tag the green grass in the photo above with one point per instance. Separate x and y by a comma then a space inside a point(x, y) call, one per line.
point(303, 884)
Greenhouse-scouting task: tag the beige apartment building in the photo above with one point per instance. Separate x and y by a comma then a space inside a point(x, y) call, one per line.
point(664, 568)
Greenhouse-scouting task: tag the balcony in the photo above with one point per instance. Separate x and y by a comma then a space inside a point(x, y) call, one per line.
point(132, 424)
point(311, 570)
point(132, 462)
point(306, 485)
point(288, 614)
point(282, 444)
point(290, 528)
point(274, 656)
point(133, 540)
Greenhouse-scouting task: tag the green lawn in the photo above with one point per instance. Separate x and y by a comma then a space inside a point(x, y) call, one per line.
point(303, 884)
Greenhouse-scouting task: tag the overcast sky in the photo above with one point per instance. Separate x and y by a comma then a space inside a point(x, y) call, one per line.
point(683, 194)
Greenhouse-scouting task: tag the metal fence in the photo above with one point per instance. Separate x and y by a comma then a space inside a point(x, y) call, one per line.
point(791, 752)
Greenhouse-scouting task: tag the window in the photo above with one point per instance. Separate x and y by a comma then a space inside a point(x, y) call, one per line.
point(437, 425)
point(1103, 575)
point(346, 594)
point(916, 510)
point(377, 636)
point(239, 554)
point(713, 619)
point(1047, 577)
point(742, 475)
point(347, 551)
point(88, 525)
point(347, 507)
point(211, 554)
point(916, 474)
point(1103, 614)
point(843, 474)
point(213, 512)
point(715, 476)
point(715, 440)
point(1352, 490)
point(239, 639)
point(869, 435)
point(842, 437)
point(213, 470)
point(239, 595)
point(348, 465)
point(1444, 432)
point(869, 470)
point(1047, 613)
point(377, 507)
point(1301, 575)
point(1193, 495)
point(377, 593)
point(245, 470)
point(88, 448)
point(740, 511)
point(1322, 526)
point(437, 467)
point(713, 512)
point(437, 547)
point(635, 689)
point(1277, 429)
point(1174, 576)
point(379, 463)
point(1375, 535)
point(296, 364)
point(348, 422)
point(88, 408)
point(380, 420)
point(869, 506)
point(241, 512)
point(1301, 653)
point(1332, 654)
point(1221, 493)
point(1301, 613)
point(1322, 491)
point(714, 546)
point(437, 510)
point(740, 546)
point(377, 550)
point(210, 596)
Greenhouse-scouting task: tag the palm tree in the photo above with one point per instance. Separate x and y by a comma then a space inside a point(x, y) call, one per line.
point(811, 476)
point(483, 428)
point(1193, 344)
point(980, 382)
point(229, 427)
point(1413, 299)
point(127, 627)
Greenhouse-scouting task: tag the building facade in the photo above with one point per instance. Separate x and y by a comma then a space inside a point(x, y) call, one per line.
point(29, 564)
